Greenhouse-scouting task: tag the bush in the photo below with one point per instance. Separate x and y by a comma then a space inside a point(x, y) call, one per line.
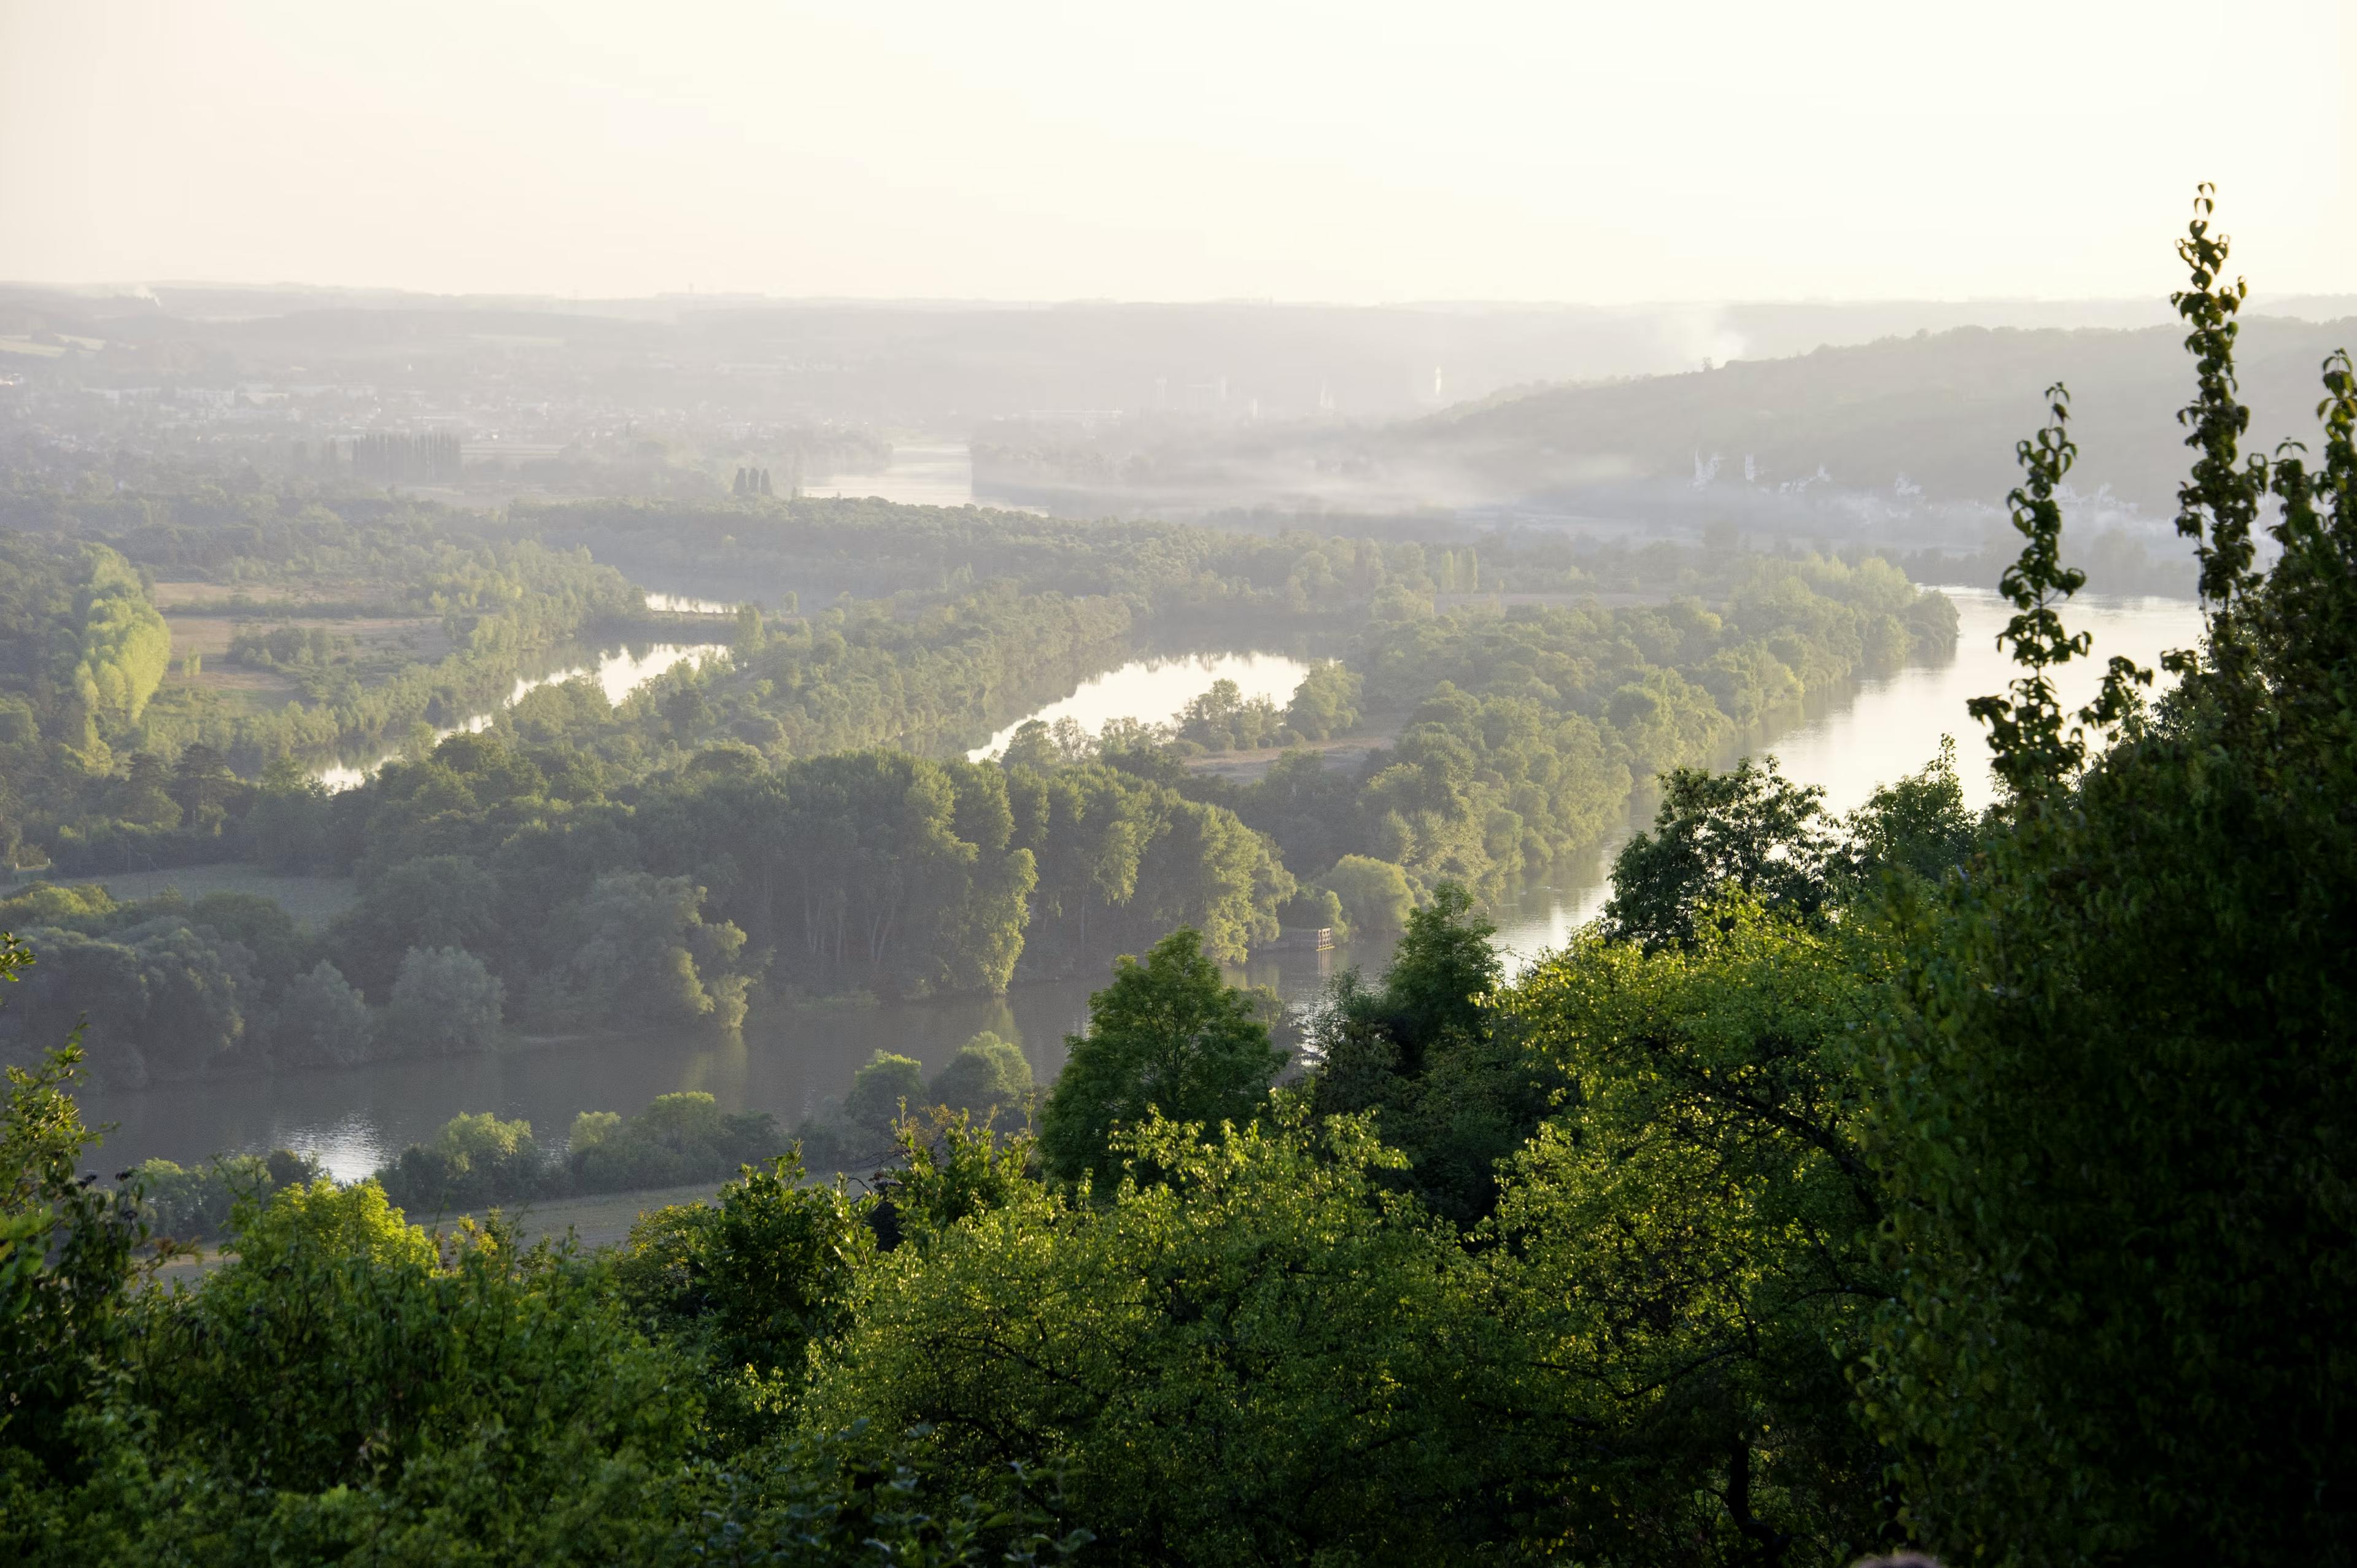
point(677, 1139)
point(322, 1019)
point(1168, 1036)
point(989, 1079)
point(879, 1090)
point(1373, 895)
point(445, 1003)
point(195, 1205)
point(478, 1161)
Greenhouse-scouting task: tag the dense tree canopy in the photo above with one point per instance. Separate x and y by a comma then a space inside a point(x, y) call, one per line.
point(1167, 1036)
point(1976, 1185)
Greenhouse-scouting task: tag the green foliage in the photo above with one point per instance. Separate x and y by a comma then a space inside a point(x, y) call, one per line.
point(988, 1080)
point(163, 999)
point(188, 1206)
point(123, 650)
point(277, 947)
point(1306, 806)
point(918, 671)
point(1525, 731)
point(174, 990)
point(1325, 704)
point(869, 871)
point(65, 1259)
point(390, 1395)
point(477, 1160)
point(988, 1083)
point(320, 1018)
point(949, 1170)
point(1221, 720)
point(496, 605)
point(445, 1003)
point(2117, 1063)
point(1250, 1358)
point(1689, 1235)
point(1374, 895)
point(2034, 753)
point(76, 906)
point(1122, 860)
point(1752, 832)
point(749, 1285)
point(1917, 827)
point(442, 901)
point(881, 1091)
point(816, 1501)
point(678, 1138)
point(1455, 1092)
point(863, 1136)
point(1749, 827)
point(1169, 1036)
point(644, 954)
point(2219, 502)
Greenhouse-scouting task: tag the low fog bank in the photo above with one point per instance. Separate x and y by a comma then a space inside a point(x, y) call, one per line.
point(935, 366)
point(1904, 444)
point(1883, 424)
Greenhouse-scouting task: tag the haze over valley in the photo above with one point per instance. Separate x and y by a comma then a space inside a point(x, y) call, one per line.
point(1282, 784)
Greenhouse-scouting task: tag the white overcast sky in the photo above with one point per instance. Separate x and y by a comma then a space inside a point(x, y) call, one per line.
point(1292, 149)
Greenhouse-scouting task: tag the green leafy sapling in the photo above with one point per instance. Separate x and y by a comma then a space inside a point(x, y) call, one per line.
point(2034, 752)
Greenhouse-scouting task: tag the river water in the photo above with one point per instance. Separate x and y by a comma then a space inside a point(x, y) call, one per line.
point(925, 474)
point(681, 604)
point(791, 1062)
point(618, 672)
point(1154, 690)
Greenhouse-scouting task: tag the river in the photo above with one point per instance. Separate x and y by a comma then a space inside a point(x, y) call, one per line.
point(618, 672)
point(789, 1063)
point(923, 474)
point(1156, 689)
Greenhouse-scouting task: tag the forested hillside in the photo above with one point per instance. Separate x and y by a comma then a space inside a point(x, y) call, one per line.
point(1942, 409)
point(1901, 442)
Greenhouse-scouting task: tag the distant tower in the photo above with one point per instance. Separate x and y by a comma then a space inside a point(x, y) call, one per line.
point(1436, 383)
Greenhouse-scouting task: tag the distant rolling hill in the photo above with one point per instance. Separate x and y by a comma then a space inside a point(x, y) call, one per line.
point(1906, 442)
point(1941, 410)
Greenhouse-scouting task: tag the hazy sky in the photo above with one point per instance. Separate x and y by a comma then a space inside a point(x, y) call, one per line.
point(1352, 150)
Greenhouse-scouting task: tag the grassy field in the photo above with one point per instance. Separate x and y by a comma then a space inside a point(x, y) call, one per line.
point(313, 900)
point(599, 1221)
point(246, 690)
point(1251, 767)
point(592, 1222)
point(202, 596)
point(371, 648)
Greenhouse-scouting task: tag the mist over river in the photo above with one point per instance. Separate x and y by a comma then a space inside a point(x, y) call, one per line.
point(790, 1061)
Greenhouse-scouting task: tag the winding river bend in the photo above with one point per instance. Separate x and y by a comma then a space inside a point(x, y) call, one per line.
point(618, 672)
point(787, 1063)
